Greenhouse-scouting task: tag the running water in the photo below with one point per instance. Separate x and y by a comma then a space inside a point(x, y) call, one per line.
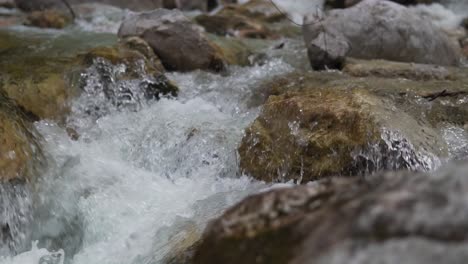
point(138, 176)
point(143, 181)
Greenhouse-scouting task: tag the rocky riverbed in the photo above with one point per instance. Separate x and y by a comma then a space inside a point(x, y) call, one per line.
point(223, 132)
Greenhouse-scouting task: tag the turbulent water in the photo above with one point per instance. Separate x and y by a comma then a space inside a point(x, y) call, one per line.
point(139, 175)
point(144, 180)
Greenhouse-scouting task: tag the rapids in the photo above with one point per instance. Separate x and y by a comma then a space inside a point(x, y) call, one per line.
point(146, 179)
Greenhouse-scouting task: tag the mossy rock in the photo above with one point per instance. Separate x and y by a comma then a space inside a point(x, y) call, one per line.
point(43, 84)
point(319, 125)
point(21, 155)
point(310, 134)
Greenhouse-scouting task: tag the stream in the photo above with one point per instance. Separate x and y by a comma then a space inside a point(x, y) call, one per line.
point(145, 179)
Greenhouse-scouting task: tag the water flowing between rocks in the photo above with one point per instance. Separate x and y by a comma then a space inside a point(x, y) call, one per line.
point(144, 177)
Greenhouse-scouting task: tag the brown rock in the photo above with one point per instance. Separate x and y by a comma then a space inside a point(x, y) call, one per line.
point(179, 43)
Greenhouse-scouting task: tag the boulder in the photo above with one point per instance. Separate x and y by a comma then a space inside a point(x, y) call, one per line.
point(318, 132)
point(375, 29)
point(398, 217)
point(180, 44)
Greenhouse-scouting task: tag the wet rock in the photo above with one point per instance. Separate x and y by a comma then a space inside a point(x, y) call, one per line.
point(323, 124)
point(20, 151)
point(316, 132)
point(21, 162)
point(43, 83)
point(376, 29)
point(397, 217)
point(179, 43)
point(118, 78)
point(48, 19)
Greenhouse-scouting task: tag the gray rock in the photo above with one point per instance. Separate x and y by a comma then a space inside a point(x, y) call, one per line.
point(376, 29)
point(180, 44)
point(398, 217)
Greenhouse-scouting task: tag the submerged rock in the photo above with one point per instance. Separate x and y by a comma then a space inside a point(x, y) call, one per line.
point(376, 29)
point(396, 217)
point(180, 44)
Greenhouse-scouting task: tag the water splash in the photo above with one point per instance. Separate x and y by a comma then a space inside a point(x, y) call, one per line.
point(394, 152)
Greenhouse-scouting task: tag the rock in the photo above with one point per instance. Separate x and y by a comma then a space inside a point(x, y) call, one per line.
point(21, 163)
point(376, 29)
point(140, 5)
point(314, 125)
point(328, 51)
point(179, 43)
point(313, 133)
point(48, 19)
point(397, 217)
point(43, 83)
point(464, 23)
point(20, 151)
